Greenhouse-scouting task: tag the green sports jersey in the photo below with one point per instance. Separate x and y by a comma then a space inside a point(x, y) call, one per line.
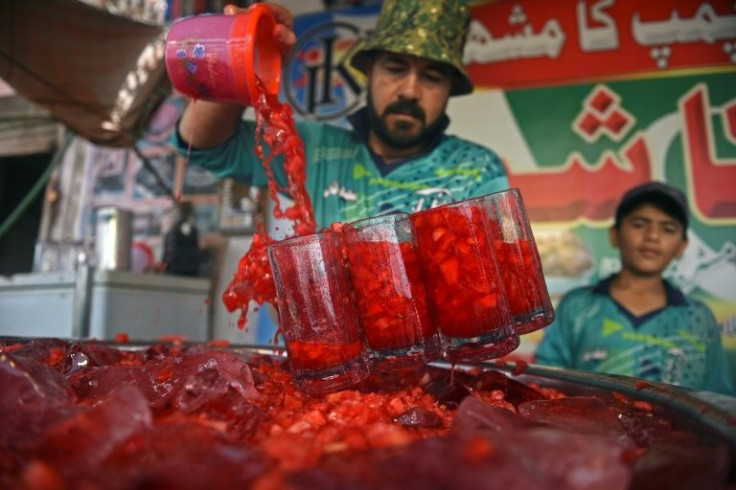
point(346, 183)
point(679, 344)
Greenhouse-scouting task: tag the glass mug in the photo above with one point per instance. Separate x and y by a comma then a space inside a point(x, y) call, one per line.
point(390, 294)
point(464, 281)
point(322, 336)
point(519, 261)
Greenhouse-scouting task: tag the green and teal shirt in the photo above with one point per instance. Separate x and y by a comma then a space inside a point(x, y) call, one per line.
point(679, 344)
point(346, 181)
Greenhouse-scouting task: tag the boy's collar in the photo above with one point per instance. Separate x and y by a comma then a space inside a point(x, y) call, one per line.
point(675, 297)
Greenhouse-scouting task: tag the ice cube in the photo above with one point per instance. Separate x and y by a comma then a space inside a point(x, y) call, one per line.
point(589, 415)
point(474, 414)
point(33, 397)
point(86, 438)
point(679, 466)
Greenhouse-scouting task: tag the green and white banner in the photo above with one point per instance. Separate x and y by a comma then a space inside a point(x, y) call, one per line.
point(572, 173)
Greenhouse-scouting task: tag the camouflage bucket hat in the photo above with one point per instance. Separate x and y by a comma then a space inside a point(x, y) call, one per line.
point(433, 29)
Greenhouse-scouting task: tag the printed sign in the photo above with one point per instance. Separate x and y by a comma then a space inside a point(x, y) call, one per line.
point(541, 43)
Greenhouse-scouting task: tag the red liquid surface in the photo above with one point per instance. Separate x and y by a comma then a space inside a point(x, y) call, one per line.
point(274, 126)
point(322, 355)
point(459, 270)
point(390, 294)
point(522, 277)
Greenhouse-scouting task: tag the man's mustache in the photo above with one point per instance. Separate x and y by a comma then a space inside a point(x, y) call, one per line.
point(405, 106)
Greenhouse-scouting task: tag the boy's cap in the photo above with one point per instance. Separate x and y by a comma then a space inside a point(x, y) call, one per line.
point(654, 191)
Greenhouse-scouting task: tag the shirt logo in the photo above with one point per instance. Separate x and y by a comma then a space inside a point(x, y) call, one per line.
point(335, 189)
point(609, 327)
point(595, 355)
point(435, 196)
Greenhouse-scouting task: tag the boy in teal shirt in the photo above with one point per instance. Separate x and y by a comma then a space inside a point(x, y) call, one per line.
point(635, 323)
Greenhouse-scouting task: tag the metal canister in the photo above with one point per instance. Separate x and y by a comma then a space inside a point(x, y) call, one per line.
point(113, 238)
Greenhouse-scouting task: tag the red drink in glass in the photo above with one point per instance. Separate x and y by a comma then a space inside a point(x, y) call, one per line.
point(463, 281)
point(316, 355)
point(321, 331)
point(519, 262)
point(389, 292)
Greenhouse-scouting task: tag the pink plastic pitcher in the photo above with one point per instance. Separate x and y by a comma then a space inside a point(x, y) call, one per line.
point(219, 57)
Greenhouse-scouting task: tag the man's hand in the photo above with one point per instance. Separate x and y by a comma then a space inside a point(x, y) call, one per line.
point(283, 32)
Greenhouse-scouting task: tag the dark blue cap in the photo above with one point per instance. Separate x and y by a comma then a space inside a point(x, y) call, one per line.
point(670, 198)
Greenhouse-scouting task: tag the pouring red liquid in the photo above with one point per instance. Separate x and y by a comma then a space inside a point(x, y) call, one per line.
point(275, 126)
point(235, 59)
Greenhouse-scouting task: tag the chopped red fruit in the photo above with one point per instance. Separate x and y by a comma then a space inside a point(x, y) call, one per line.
point(461, 276)
point(631, 454)
point(478, 449)
point(520, 367)
point(642, 405)
point(641, 385)
point(450, 269)
point(622, 398)
point(390, 295)
point(521, 270)
point(438, 233)
point(218, 343)
point(176, 339)
point(39, 475)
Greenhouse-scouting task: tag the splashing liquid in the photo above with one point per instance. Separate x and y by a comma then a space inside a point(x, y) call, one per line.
point(274, 127)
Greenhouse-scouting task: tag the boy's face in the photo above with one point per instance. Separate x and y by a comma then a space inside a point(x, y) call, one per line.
point(648, 240)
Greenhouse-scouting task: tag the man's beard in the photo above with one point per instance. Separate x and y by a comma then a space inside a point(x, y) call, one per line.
point(398, 138)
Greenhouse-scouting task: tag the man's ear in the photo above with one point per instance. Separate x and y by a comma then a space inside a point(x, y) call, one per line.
point(613, 236)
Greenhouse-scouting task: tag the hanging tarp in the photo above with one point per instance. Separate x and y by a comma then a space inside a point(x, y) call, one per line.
point(25, 128)
point(100, 74)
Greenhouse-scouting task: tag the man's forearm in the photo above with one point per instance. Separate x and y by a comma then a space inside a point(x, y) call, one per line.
point(208, 124)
